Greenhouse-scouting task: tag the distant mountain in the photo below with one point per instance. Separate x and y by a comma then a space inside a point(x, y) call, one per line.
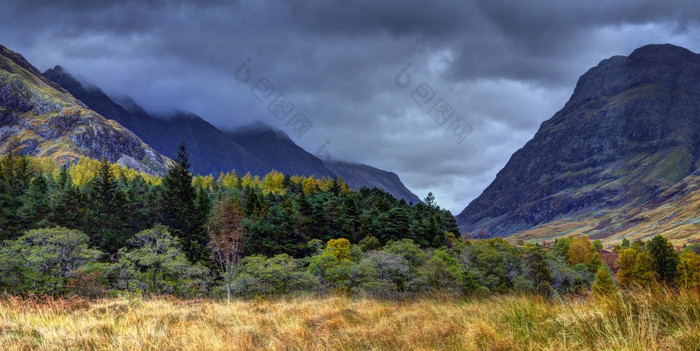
point(42, 119)
point(361, 175)
point(211, 151)
point(256, 148)
point(277, 151)
point(629, 133)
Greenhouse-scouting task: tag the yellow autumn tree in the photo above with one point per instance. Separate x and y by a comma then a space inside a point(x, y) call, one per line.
point(229, 179)
point(340, 248)
point(580, 251)
point(625, 265)
point(247, 180)
point(644, 272)
point(603, 285)
point(310, 186)
point(689, 269)
point(273, 183)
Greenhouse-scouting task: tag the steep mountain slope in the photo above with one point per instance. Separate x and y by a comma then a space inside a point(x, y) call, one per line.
point(256, 148)
point(211, 151)
point(41, 119)
point(277, 151)
point(628, 133)
point(361, 175)
point(674, 214)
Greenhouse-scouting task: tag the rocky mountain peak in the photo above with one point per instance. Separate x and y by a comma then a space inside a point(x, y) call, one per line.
point(42, 119)
point(629, 130)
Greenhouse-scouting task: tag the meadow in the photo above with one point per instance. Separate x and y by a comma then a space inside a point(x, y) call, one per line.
point(642, 320)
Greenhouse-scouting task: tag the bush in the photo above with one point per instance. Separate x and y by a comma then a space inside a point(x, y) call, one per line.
point(42, 260)
point(391, 269)
point(442, 273)
point(281, 274)
point(604, 285)
point(156, 264)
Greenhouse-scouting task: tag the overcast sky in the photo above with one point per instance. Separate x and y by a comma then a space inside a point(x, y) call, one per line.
point(367, 74)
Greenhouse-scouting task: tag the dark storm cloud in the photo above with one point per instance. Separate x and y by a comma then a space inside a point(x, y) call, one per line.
point(537, 40)
point(503, 66)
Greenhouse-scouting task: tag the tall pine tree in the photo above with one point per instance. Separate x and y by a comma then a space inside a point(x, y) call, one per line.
point(106, 228)
point(35, 212)
point(179, 207)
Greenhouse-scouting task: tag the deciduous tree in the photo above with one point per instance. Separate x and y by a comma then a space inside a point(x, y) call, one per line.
point(226, 237)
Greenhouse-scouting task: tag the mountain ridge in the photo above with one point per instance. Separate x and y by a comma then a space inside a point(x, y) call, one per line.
point(256, 148)
point(210, 150)
point(40, 118)
point(359, 175)
point(628, 133)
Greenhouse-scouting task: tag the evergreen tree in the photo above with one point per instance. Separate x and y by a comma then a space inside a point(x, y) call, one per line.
point(16, 174)
point(625, 244)
point(366, 227)
point(539, 271)
point(35, 212)
point(142, 214)
point(253, 202)
point(430, 200)
point(451, 224)
point(106, 230)
point(66, 202)
point(179, 209)
point(305, 212)
point(665, 258)
point(434, 233)
point(319, 225)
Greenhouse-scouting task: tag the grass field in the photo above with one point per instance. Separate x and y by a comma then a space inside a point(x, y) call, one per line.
point(637, 321)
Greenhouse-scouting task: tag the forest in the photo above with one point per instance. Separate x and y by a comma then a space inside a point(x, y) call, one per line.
point(95, 229)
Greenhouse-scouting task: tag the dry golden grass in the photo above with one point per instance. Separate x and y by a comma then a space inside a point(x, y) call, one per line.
point(639, 321)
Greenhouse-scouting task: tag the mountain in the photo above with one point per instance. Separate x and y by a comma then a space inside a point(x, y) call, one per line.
point(673, 214)
point(277, 151)
point(628, 135)
point(211, 151)
point(255, 148)
point(360, 175)
point(274, 148)
point(40, 118)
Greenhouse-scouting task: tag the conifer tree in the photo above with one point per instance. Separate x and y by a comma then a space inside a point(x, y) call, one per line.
point(16, 174)
point(665, 258)
point(430, 200)
point(66, 202)
point(178, 206)
point(451, 224)
point(36, 208)
point(104, 226)
point(539, 271)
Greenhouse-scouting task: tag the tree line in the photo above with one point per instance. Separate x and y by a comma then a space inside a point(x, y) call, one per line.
point(115, 230)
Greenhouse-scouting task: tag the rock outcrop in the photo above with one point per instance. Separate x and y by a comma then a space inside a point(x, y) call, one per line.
point(39, 118)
